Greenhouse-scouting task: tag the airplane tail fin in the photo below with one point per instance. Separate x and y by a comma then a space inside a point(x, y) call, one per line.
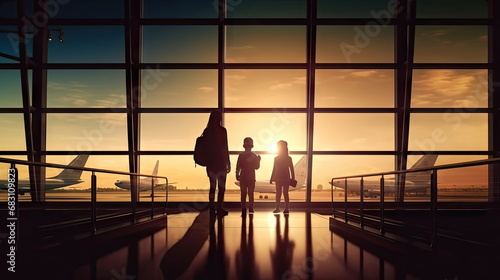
point(155, 171)
point(301, 172)
point(425, 161)
point(73, 174)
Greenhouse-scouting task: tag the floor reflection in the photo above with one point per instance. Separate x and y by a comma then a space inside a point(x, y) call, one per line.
point(260, 246)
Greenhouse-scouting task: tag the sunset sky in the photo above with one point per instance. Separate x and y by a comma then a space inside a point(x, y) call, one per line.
point(257, 88)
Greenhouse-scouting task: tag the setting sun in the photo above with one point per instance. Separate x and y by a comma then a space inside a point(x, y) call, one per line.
point(272, 148)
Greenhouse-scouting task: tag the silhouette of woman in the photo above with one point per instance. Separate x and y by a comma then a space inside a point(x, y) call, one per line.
point(218, 160)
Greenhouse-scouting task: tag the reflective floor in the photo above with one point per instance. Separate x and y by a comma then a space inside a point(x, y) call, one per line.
point(259, 246)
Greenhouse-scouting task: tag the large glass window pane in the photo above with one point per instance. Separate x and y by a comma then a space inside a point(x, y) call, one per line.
point(355, 44)
point(171, 132)
point(325, 167)
point(353, 132)
point(451, 44)
point(8, 9)
point(450, 88)
point(86, 88)
point(459, 184)
point(381, 9)
point(22, 172)
point(87, 44)
point(181, 9)
point(9, 44)
point(266, 129)
point(179, 88)
point(265, 88)
point(10, 88)
point(354, 88)
point(12, 131)
point(87, 132)
point(86, 9)
point(266, 9)
point(266, 44)
point(454, 130)
point(180, 44)
point(452, 9)
point(106, 189)
point(186, 182)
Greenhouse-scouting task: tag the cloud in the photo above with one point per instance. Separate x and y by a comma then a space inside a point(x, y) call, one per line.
point(448, 83)
point(435, 33)
point(364, 74)
point(238, 48)
point(280, 86)
point(206, 89)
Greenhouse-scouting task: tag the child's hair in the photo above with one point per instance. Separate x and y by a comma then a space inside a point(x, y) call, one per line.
point(248, 142)
point(282, 147)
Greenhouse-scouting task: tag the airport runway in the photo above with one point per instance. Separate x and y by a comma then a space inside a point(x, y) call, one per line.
point(234, 196)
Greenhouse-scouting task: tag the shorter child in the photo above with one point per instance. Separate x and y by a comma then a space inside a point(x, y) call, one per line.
point(283, 173)
point(247, 163)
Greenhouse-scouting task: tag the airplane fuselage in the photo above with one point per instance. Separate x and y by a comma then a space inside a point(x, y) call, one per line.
point(50, 184)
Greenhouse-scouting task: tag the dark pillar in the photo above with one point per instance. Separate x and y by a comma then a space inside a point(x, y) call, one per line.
point(494, 101)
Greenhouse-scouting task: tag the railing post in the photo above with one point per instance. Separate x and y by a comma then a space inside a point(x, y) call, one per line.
point(345, 200)
point(166, 196)
point(133, 193)
point(152, 197)
point(382, 207)
point(433, 207)
point(361, 200)
point(93, 199)
point(331, 194)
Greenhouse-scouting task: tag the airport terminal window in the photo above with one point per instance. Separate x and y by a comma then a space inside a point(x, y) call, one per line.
point(171, 131)
point(266, 129)
point(88, 9)
point(455, 130)
point(174, 88)
point(8, 9)
point(353, 132)
point(451, 44)
point(270, 88)
point(450, 88)
point(354, 109)
point(87, 132)
point(86, 88)
point(355, 44)
point(354, 9)
point(180, 9)
point(182, 175)
point(10, 87)
point(266, 9)
point(87, 44)
point(9, 47)
point(461, 9)
point(265, 44)
point(179, 44)
point(325, 167)
point(354, 88)
point(13, 138)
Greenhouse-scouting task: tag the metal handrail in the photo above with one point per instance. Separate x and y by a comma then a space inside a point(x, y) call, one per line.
point(433, 193)
point(93, 180)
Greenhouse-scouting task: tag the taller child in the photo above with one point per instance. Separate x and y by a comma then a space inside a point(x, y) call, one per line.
point(282, 174)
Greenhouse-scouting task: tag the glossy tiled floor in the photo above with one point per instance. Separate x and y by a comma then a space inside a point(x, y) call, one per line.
point(259, 246)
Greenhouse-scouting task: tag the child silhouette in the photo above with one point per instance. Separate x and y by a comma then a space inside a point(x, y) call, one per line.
point(247, 163)
point(282, 174)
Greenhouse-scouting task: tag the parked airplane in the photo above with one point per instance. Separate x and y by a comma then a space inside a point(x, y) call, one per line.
point(300, 169)
point(144, 183)
point(67, 177)
point(415, 181)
